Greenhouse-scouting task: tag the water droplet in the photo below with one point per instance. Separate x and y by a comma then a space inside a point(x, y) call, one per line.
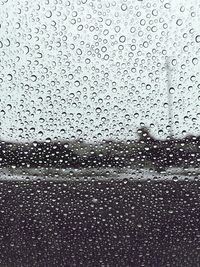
point(10, 77)
point(148, 87)
point(182, 8)
point(167, 5)
point(33, 78)
point(117, 28)
point(123, 7)
point(108, 22)
point(48, 14)
point(122, 38)
point(98, 110)
point(174, 62)
point(77, 83)
point(171, 90)
point(179, 22)
point(197, 38)
point(195, 61)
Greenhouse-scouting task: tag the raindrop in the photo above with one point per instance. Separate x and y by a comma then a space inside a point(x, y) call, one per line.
point(98, 110)
point(148, 87)
point(9, 106)
point(132, 29)
point(195, 61)
point(10, 77)
point(33, 78)
point(79, 51)
point(80, 27)
point(179, 22)
point(123, 7)
point(87, 61)
point(174, 62)
point(197, 38)
point(117, 29)
point(167, 5)
point(77, 83)
point(154, 12)
point(182, 8)
point(171, 90)
point(122, 39)
point(136, 115)
point(133, 47)
point(26, 49)
point(48, 14)
point(108, 22)
point(7, 42)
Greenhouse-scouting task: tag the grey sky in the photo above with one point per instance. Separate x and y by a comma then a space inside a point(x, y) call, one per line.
point(96, 69)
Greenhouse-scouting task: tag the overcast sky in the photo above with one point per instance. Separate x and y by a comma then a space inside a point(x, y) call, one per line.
point(97, 69)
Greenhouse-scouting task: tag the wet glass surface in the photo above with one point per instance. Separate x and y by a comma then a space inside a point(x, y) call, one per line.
point(99, 133)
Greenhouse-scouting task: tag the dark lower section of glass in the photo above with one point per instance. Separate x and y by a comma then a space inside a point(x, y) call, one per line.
point(100, 223)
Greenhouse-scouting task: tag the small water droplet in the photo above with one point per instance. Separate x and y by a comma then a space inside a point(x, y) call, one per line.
point(123, 7)
point(179, 22)
point(197, 38)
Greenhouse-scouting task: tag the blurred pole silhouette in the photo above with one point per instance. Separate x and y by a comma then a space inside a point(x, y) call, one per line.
point(170, 100)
